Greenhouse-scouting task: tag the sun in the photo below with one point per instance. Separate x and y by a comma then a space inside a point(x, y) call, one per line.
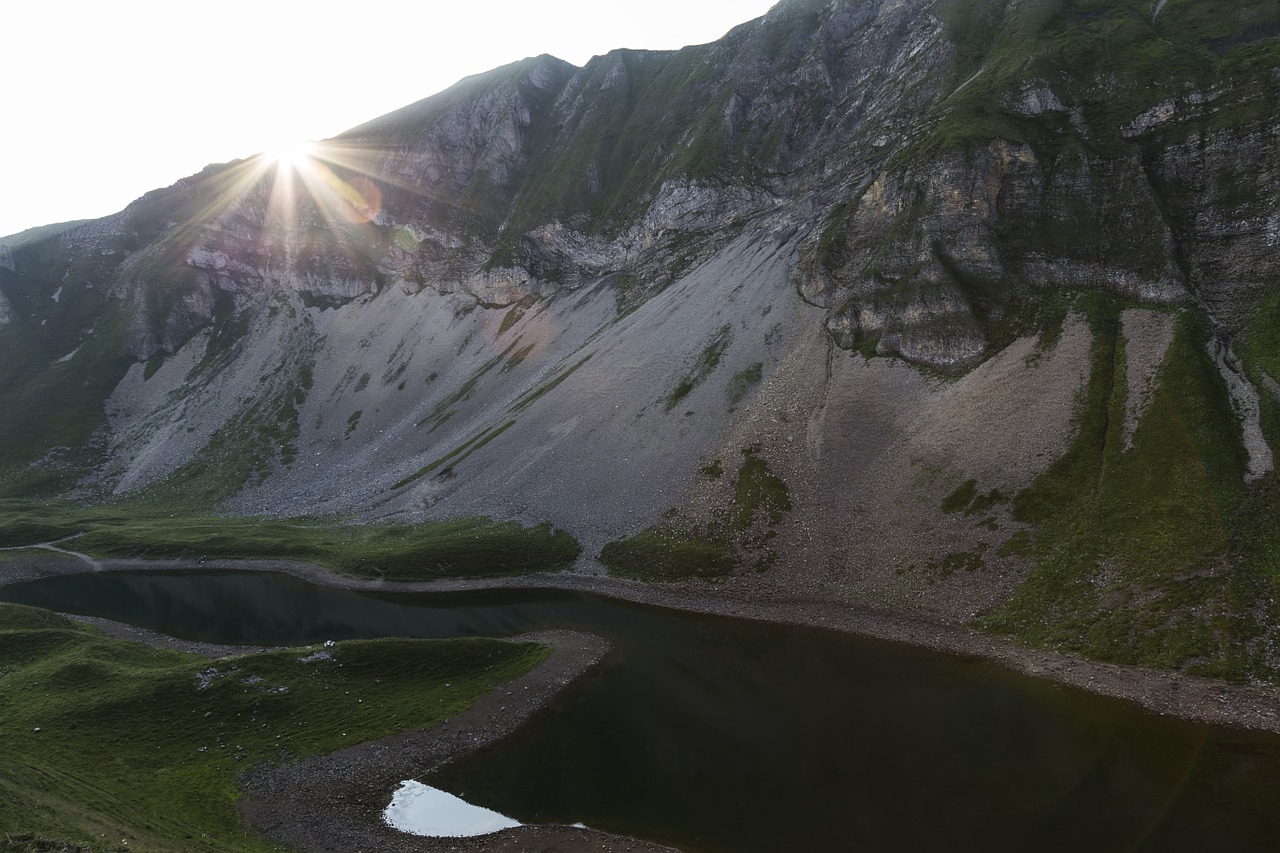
point(291, 155)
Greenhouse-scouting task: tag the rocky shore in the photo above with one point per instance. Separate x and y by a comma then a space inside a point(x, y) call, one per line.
point(334, 802)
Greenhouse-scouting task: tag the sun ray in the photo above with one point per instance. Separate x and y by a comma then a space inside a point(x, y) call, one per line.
point(291, 155)
point(323, 196)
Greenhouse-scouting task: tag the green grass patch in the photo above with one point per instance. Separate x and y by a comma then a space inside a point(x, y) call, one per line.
point(1017, 545)
point(704, 364)
point(740, 536)
point(957, 561)
point(961, 497)
point(529, 398)
point(444, 409)
point(457, 455)
point(743, 381)
point(468, 547)
point(353, 422)
point(517, 358)
point(1260, 344)
point(1135, 550)
point(759, 494)
point(146, 746)
point(513, 316)
point(664, 553)
point(714, 471)
point(966, 498)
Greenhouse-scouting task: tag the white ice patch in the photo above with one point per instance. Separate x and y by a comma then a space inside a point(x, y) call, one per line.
point(419, 809)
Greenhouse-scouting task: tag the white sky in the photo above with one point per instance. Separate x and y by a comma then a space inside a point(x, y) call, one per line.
point(102, 100)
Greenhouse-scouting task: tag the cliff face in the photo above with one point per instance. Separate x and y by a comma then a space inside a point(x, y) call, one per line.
point(942, 187)
point(966, 307)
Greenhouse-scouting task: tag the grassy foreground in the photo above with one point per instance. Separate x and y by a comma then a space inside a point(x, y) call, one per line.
point(117, 746)
point(469, 547)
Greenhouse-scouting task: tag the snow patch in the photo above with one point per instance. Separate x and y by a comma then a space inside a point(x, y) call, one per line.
point(419, 809)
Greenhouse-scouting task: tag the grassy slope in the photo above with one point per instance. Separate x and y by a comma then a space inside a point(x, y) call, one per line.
point(1111, 59)
point(1142, 555)
point(131, 748)
point(471, 547)
point(62, 357)
point(83, 320)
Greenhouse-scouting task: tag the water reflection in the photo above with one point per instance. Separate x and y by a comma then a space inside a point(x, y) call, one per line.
point(722, 735)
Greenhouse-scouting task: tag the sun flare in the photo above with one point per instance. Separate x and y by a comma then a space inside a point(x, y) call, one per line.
point(291, 155)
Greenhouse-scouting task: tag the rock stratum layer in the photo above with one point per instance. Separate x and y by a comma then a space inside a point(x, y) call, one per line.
point(966, 308)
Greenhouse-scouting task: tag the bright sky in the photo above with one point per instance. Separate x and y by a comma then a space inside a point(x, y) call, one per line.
point(103, 101)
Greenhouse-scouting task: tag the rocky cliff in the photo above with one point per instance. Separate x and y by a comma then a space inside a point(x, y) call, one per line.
point(961, 307)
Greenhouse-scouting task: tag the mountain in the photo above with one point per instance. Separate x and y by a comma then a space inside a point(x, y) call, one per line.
point(959, 306)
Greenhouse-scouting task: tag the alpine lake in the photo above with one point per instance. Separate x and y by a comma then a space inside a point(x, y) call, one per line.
point(715, 734)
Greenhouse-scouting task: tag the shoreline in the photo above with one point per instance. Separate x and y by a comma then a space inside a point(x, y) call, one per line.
point(1188, 697)
point(334, 803)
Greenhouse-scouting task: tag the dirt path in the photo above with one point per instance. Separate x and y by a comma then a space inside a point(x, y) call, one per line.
point(53, 546)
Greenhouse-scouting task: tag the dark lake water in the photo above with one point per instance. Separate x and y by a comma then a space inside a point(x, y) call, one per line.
point(723, 735)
